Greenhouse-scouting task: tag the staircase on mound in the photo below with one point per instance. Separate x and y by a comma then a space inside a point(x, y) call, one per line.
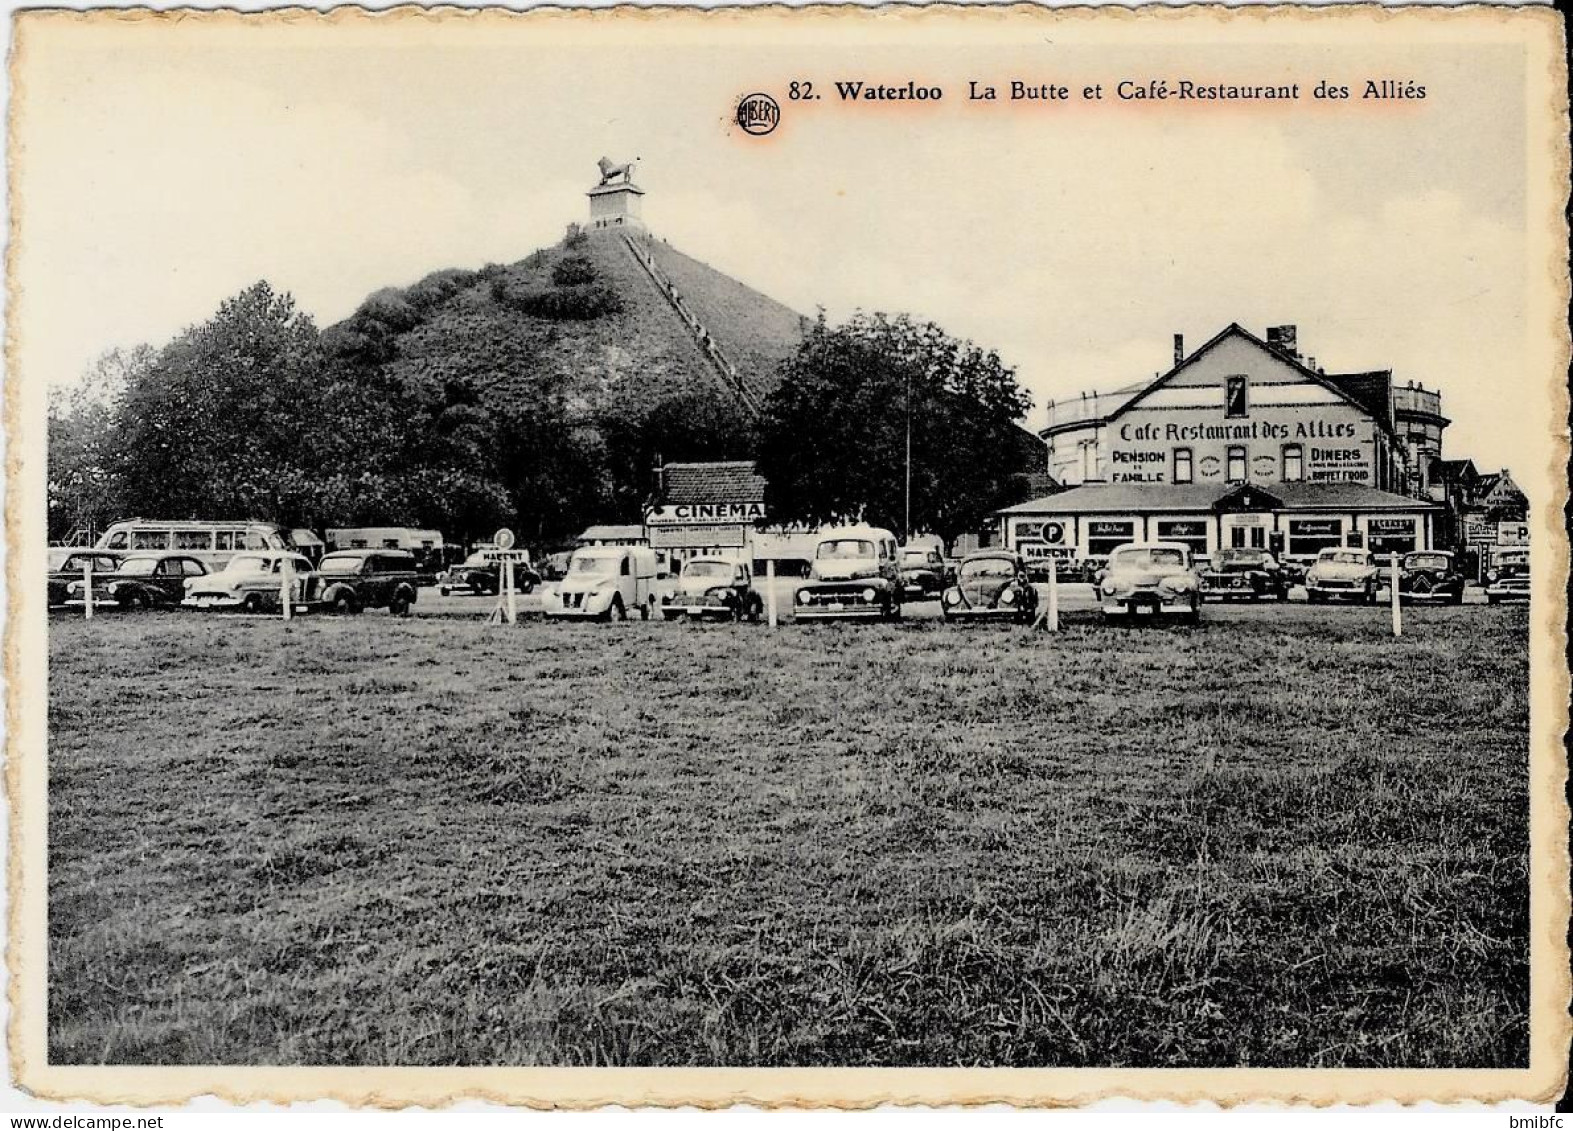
point(724, 367)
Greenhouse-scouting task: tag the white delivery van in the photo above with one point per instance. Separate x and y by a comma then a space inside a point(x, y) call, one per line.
point(604, 582)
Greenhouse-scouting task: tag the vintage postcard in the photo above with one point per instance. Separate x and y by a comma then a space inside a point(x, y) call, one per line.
point(796, 557)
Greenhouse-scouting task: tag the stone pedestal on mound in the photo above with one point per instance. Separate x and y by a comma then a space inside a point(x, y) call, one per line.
point(615, 207)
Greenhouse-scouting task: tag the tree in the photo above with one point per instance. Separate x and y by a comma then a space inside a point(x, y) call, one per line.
point(216, 425)
point(84, 489)
point(833, 439)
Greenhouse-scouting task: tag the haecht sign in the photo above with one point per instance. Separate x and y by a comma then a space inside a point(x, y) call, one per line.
point(708, 514)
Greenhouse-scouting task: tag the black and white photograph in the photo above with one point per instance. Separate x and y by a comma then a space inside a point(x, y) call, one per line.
point(593, 554)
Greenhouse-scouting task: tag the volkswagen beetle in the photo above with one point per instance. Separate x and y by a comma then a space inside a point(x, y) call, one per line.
point(991, 585)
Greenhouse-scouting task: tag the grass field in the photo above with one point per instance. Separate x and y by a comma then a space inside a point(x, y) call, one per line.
point(1282, 838)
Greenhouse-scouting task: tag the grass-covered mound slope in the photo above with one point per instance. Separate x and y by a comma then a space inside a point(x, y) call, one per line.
point(582, 317)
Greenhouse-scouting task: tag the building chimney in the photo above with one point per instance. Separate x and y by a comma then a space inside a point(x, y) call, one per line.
point(1179, 348)
point(1282, 339)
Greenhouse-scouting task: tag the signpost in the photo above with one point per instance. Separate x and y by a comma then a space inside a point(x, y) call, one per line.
point(770, 588)
point(1054, 597)
point(286, 587)
point(507, 610)
point(1398, 616)
point(87, 587)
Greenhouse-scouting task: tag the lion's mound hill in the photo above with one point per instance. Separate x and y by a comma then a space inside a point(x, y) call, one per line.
point(611, 320)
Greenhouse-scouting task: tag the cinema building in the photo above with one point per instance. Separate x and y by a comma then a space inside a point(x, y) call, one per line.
point(1242, 443)
point(705, 509)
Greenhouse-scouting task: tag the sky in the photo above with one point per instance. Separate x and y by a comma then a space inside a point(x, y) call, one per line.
point(165, 166)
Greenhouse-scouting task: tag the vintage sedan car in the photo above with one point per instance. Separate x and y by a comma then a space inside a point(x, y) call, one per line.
point(352, 580)
point(923, 573)
point(1295, 567)
point(1244, 574)
point(1430, 575)
point(1343, 573)
point(714, 588)
point(253, 581)
point(854, 576)
point(554, 567)
point(1150, 580)
point(144, 581)
point(479, 574)
point(991, 585)
point(1508, 577)
point(71, 568)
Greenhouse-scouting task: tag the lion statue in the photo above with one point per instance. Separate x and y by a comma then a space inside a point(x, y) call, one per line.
point(610, 172)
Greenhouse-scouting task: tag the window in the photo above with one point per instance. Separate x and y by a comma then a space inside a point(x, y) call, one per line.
point(627, 566)
point(1104, 535)
point(117, 541)
point(1192, 532)
point(255, 540)
point(225, 540)
point(1089, 461)
point(150, 539)
point(1234, 396)
point(193, 567)
point(1313, 535)
point(1236, 469)
point(1183, 472)
point(1294, 463)
point(193, 540)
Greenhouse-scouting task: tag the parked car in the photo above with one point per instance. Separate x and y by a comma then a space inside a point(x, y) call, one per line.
point(1092, 568)
point(1244, 574)
point(352, 580)
point(923, 573)
point(144, 581)
point(991, 585)
point(1295, 567)
point(604, 582)
point(854, 576)
point(480, 574)
point(1430, 575)
point(71, 567)
point(714, 587)
point(252, 581)
point(1149, 580)
point(1343, 572)
point(1508, 577)
point(554, 567)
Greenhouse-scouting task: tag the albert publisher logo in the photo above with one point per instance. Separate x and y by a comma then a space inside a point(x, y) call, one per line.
point(758, 114)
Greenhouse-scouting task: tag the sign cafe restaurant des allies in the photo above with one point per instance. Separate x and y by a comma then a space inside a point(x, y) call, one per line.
point(1242, 443)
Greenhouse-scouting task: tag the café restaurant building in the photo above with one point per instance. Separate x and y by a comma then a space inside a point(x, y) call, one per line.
point(1242, 443)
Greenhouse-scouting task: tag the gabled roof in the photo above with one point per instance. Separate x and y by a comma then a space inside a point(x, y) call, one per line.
point(1359, 383)
point(1454, 470)
point(613, 534)
point(731, 481)
point(1181, 498)
point(1372, 391)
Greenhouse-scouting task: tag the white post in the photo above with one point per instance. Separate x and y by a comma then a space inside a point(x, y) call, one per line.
point(87, 587)
point(1054, 595)
point(1398, 616)
point(286, 584)
point(770, 588)
point(513, 604)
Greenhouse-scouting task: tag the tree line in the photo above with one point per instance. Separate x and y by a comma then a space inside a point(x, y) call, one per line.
point(255, 413)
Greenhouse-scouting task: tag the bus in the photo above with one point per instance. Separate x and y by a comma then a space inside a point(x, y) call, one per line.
point(213, 543)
